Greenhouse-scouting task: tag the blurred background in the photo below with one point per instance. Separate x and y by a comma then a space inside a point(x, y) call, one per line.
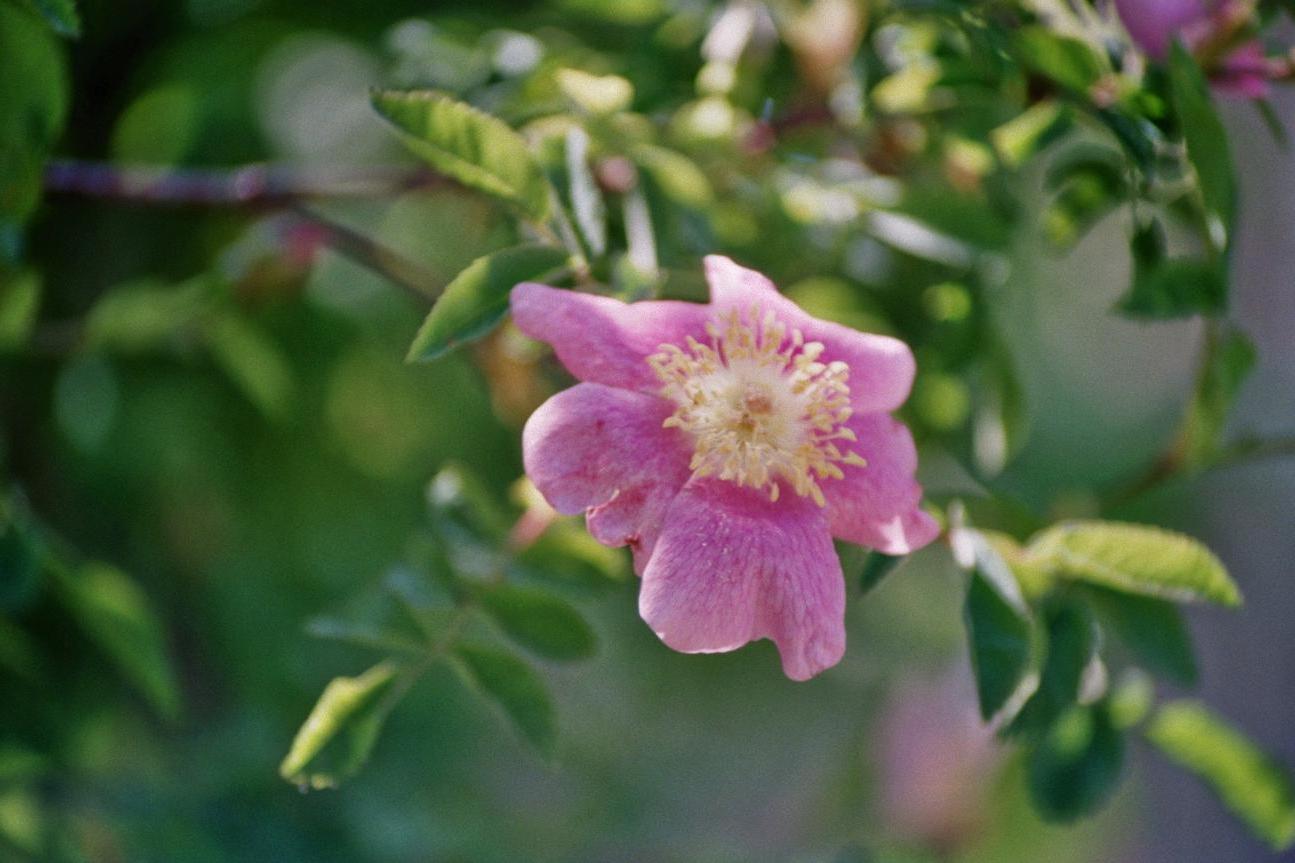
point(214, 401)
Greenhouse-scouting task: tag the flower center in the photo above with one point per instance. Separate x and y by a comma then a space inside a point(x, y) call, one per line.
point(758, 405)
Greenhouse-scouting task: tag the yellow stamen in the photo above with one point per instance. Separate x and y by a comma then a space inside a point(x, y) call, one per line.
point(758, 405)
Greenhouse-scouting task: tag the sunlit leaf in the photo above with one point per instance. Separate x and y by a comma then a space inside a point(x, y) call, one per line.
point(1076, 766)
point(677, 176)
point(341, 730)
point(477, 299)
point(1251, 784)
point(539, 621)
point(516, 688)
point(1068, 62)
point(118, 618)
point(1135, 558)
point(595, 94)
point(471, 146)
point(586, 199)
point(1029, 132)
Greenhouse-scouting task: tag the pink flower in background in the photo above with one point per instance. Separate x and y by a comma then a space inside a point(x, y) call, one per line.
point(726, 444)
point(1241, 70)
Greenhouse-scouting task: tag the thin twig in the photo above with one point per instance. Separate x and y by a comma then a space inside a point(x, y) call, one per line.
point(246, 185)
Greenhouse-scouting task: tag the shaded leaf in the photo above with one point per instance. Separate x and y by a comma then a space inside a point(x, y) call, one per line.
point(117, 616)
point(678, 177)
point(341, 730)
point(1077, 766)
point(20, 560)
point(1229, 358)
point(515, 687)
point(567, 553)
point(1207, 141)
point(1153, 630)
point(1068, 62)
point(33, 108)
point(471, 146)
point(59, 14)
point(1135, 558)
point(1252, 785)
point(19, 303)
point(254, 363)
point(538, 621)
point(999, 631)
point(477, 299)
point(1072, 644)
point(1166, 287)
point(145, 315)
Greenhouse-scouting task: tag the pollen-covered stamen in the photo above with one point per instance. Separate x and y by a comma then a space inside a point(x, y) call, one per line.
point(758, 405)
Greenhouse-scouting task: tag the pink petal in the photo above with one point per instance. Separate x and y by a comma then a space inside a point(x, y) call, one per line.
point(1153, 24)
point(603, 450)
point(881, 368)
point(879, 505)
point(602, 340)
point(731, 567)
point(1244, 73)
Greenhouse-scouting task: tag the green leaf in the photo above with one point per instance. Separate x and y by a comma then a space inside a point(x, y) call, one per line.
point(60, 15)
point(1207, 141)
point(1153, 630)
point(254, 363)
point(146, 315)
point(515, 687)
point(471, 146)
point(33, 109)
point(1087, 186)
point(1077, 766)
point(1029, 132)
point(877, 566)
point(19, 303)
point(1068, 62)
point(1072, 644)
point(539, 621)
point(1252, 785)
point(117, 616)
point(595, 94)
point(1166, 288)
point(567, 553)
point(20, 560)
point(678, 177)
point(477, 299)
point(1229, 358)
point(1135, 558)
point(999, 630)
point(340, 732)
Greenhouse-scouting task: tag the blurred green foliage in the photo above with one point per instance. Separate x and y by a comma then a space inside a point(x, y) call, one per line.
point(201, 380)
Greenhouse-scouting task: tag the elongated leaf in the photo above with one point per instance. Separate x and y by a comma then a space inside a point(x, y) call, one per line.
point(515, 687)
point(1255, 787)
point(1072, 643)
point(538, 621)
point(338, 735)
point(254, 363)
point(595, 94)
point(1229, 358)
point(677, 176)
point(1077, 766)
point(118, 617)
point(477, 299)
point(1001, 652)
point(33, 108)
point(1153, 630)
point(19, 304)
point(471, 146)
point(1168, 288)
point(1135, 558)
point(1207, 140)
point(20, 560)
point(1066, 61)
point(1029, 132)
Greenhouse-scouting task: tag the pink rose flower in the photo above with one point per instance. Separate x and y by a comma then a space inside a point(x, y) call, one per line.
point(1242, 70)
point(727, 443)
